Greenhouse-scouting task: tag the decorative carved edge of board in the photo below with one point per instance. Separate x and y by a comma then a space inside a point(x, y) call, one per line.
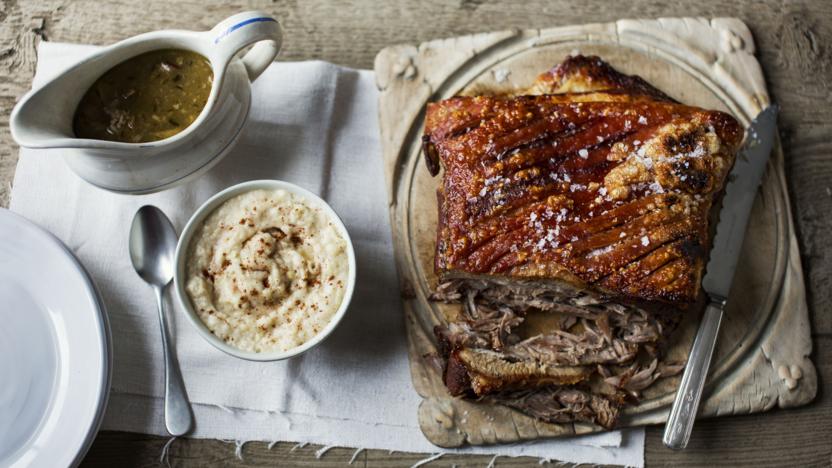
point(777, 372)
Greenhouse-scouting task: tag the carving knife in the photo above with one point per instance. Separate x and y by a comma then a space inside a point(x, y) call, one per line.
point(730, 231)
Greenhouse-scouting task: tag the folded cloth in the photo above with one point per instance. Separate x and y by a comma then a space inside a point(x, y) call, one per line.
point(313, 124)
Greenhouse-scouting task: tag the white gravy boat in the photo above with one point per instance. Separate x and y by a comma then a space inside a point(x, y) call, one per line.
point(43, 117)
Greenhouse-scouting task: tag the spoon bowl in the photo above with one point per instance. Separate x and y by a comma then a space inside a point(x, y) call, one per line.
point(152, 245)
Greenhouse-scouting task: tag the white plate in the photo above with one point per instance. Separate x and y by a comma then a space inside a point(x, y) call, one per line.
point(54, 350)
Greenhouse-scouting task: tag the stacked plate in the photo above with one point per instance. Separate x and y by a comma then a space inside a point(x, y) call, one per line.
point(55, 354)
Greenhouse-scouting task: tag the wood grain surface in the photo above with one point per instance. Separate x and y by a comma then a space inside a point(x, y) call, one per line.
point(794, 43)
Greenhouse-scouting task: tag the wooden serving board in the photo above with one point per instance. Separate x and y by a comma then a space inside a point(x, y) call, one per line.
point(761, 359)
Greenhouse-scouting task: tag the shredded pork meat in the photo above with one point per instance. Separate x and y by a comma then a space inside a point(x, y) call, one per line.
point(618, 344)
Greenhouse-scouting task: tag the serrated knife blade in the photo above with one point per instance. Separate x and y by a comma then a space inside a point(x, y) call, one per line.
point(736, 205)
point(740, 193)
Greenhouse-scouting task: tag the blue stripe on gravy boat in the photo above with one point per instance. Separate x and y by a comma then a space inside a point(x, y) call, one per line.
point(240, 25)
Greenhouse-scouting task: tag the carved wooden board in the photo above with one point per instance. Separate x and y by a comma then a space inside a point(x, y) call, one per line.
point(761, 359)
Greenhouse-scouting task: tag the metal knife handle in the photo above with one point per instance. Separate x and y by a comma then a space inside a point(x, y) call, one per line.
point(680, 423)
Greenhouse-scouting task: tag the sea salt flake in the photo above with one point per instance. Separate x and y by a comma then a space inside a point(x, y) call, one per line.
point(600, 251)
point(583, 153)
point(599, 138)
point(642, 120)
point(645, 241)
point(698, 152)
point(561, 215)
point(656, 187)
point(492, 180)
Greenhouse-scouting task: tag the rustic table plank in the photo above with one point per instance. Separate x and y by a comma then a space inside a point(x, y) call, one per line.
point(793, 47)
point(799, 437)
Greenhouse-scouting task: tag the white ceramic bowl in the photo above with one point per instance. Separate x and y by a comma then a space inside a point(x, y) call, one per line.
point(182, 248)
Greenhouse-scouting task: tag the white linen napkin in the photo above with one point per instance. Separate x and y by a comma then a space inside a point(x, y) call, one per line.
point(313, 124)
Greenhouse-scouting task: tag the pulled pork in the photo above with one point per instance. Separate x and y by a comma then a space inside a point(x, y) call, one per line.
point(610, 351)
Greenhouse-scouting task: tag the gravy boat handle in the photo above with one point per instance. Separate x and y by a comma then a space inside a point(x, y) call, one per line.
point(242, 30)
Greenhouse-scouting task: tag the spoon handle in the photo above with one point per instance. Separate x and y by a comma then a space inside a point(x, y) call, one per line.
point(178, 416)
point(683, 413)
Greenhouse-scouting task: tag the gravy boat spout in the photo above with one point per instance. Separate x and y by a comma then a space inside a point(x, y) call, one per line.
point(44, 117)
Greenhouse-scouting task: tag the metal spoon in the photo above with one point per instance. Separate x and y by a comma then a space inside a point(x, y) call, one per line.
point(152, 247)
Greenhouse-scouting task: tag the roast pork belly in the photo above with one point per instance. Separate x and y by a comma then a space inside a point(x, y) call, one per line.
point(582, 206)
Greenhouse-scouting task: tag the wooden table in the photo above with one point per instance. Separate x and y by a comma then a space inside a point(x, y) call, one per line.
point(794, 42)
